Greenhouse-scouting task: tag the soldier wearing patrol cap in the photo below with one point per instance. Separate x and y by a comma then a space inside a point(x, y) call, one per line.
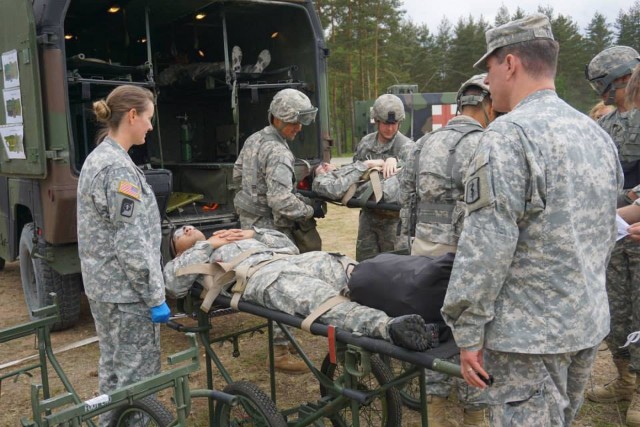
point(525, 296)
point(264, 172)
point(608, 73)
point(377, 229)
point(432, 188)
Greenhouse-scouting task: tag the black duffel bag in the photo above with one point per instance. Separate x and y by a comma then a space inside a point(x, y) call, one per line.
point(403, 284)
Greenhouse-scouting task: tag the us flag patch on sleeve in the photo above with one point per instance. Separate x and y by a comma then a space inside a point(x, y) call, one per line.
point(129, 189)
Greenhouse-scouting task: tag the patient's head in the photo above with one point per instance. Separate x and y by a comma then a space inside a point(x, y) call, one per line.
point(322, 168)
point(184, 238)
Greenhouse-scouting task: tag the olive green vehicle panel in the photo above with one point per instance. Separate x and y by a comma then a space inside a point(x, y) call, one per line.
point(418, 120)
point(17, 34)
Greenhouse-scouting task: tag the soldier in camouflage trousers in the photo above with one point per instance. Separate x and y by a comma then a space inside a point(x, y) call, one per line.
point(119, 244)
point(608, 72)
point(432, 206)
point(295, 284)
point(264, 171)
point(526, 290)
point(378, 229)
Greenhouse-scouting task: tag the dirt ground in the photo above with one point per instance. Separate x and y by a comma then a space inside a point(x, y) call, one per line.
point(338, 231)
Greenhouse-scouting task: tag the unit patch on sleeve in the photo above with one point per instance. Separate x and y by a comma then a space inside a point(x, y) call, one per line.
point(126, 208)
point(129, 189)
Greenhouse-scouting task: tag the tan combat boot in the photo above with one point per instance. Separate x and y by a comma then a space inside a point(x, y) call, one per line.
point(475, 418)
point(633, 412)
point(622, 388)
point(286, 362)
point(437, 412)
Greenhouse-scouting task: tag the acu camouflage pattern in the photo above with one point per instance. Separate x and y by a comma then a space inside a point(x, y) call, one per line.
point(287, 103)
point(620, 60)
point(539, 389)
point(529, 275)
point(121, 267)
point(436, 185)
point(264, 172)
point(129, 346)
point(378, 229)
point(623, 270)
point(296, 284)
point(334, 185)
point(387, 108)
point(119, 254)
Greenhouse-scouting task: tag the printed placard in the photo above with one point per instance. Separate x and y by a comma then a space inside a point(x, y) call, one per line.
point(13, 105)
point(10, 69)
point(13, 141)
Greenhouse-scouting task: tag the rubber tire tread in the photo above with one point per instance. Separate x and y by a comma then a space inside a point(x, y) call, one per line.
point(260, 400)
point(149, 405)
point(382, 374)
point(67, 287)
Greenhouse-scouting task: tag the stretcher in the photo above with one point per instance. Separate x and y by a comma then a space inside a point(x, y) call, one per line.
point(131, 405)
point(356, 386)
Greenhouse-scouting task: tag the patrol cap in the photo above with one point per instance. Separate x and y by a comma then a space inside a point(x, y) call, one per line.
point(532, 27)
point(292, 106)
point(475, 81)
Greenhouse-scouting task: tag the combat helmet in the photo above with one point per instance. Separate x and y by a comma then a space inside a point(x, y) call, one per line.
point(609, 65)
point(292, 106)
point(387, 108)
point(477, 81)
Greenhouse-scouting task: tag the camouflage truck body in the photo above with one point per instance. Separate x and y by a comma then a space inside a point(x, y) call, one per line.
point(59, 56)
point(421, 109)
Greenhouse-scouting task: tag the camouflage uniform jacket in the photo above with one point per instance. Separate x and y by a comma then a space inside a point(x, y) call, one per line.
point(529, 275)
point(119, 232)
point(265, 174)
point(369, 148)
point(437, 198)
point(334, 185)
point(266, 243)
point(624, 129)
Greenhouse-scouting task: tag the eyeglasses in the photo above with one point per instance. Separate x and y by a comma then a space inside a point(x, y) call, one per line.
point(305, 117)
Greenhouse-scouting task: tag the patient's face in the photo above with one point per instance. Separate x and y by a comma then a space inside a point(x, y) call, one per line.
point(185, 237)
point(325, 168)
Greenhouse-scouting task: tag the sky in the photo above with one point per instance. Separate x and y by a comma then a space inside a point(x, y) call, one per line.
point(430, 12)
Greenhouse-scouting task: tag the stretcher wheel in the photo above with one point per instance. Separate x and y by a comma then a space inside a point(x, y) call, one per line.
point(253, 409)
point(384, 411)
point(409, 391)
point(147, 412)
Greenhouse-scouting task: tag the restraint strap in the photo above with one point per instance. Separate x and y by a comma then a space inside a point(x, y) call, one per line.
point(322, 309)
point(215, 278)
point(372, 175)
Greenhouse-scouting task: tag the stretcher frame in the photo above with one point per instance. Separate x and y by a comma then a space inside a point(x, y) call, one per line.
point(70, 410)
point(351, 350)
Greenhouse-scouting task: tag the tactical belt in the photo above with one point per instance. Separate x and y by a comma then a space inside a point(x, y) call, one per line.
point(439, 213)
point(243, 201)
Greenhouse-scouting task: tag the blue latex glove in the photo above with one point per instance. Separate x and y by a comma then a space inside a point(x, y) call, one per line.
point(160, 313)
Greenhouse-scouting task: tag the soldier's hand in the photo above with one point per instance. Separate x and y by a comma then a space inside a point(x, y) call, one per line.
point(390, 167)
point(319, 209)
point(634, 232)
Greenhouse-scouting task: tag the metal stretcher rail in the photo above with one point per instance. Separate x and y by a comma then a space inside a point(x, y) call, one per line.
point(421, 359)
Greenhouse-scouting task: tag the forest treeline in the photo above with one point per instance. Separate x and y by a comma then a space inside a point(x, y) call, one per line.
point(374, 45)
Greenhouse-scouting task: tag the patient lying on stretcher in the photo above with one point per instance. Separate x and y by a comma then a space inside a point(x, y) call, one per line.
point(355, 180)
point(279, 278)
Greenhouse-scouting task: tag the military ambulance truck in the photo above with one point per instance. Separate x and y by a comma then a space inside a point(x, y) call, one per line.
point(58, 56)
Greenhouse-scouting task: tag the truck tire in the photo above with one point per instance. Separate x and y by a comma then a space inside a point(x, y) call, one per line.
point(39, 280)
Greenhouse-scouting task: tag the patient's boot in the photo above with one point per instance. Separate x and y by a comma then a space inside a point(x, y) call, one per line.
point(264, 59)
point(286, 362)
point(411, 331)
point(621, 388)
point(236, 58)
point(437, 412)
